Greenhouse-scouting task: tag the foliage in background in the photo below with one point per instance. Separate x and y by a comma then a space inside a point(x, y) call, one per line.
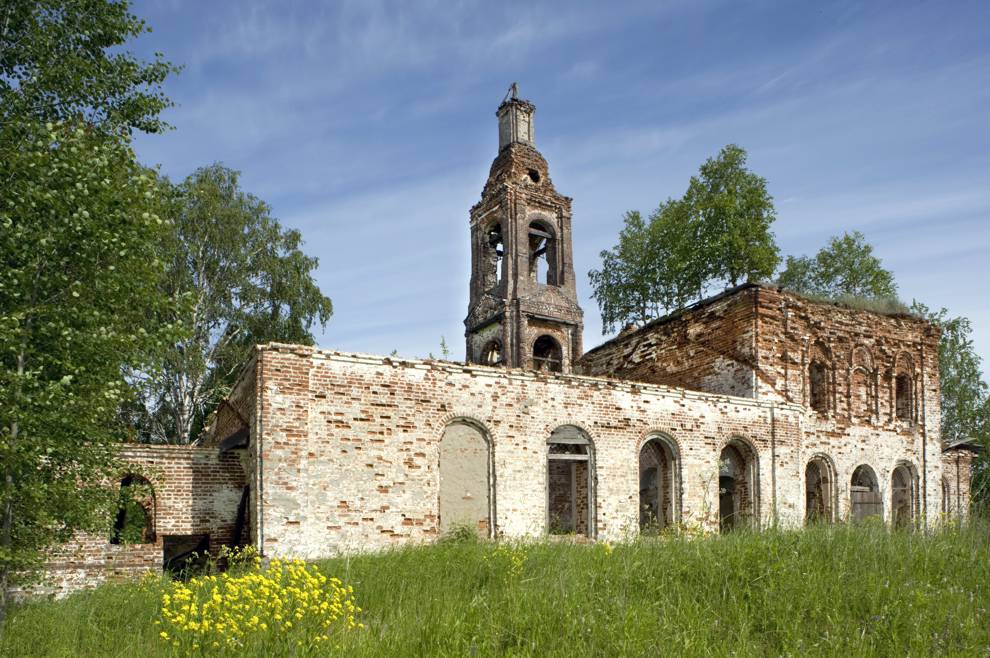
point(78, 274)
point(845, 267)
point(822, 590)
point(718, 232)
point(247, 282)
point(965, 397)
point(734, 211)
point(651, 270)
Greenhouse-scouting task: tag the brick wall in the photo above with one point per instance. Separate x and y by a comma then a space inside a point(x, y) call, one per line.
point(196, 492)
point(349, 450)
point(957, 471)
point(768, 338)
point(344, 451)
point(863, 353)
point(708, 347)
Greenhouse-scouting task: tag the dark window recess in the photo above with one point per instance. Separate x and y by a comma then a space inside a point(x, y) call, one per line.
point(819, 492)
point(904, 403)
point(902, 497)
point(570, 481)
point(658, 486)
point(818, 380)
point(737, 486)
point(184, 554)
point(547, 355)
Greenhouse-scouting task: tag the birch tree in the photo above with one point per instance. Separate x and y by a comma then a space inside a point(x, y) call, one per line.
point(246, 281)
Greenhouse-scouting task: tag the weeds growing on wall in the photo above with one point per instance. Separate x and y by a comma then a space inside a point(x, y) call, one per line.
point(826, 590)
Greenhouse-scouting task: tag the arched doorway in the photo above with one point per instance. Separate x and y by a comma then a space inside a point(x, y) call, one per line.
point(570, 483)
point(465, 482)
point(819, 486)
point(864, 494)
point(902, 495)
point(738, 484)
point(659, 484)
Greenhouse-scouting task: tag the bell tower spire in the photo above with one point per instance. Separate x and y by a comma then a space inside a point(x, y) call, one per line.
point(523, 310)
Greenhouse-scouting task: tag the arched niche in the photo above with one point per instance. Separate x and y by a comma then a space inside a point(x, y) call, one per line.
point(493, 255)
point(543, 262)
point(903, 495)
point(491, 353)
point(465, 478)
point(819, 378)
point(547, 355)
point(904, 387)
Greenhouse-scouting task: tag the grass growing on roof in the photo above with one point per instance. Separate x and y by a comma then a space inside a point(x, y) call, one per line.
point(822, 591)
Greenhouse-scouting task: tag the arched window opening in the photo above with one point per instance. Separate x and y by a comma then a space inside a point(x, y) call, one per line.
point(862, 398)
point(903, 400)
point(494, 249)
point(547, 355)
point(902, 496)
point(865, 494)
point(491, 353)
point(737, 486)
point(570, 483)
point(659, 485)
point(818, 383)
point(542, 254)
point(465, 483)
point(819, 482)
point(135, 520)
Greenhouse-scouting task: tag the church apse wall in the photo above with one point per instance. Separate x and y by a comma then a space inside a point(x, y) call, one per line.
point(867, 383)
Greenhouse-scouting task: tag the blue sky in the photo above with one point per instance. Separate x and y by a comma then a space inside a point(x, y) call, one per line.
point(370, 127)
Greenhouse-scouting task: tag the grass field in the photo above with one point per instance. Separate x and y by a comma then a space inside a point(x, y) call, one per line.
point(852, 591)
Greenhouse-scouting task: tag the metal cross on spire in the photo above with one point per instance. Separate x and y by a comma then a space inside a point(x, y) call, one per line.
point(513, 92)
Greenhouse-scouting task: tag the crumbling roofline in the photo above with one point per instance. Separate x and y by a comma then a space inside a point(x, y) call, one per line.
point(708, 301)
point(308, 352)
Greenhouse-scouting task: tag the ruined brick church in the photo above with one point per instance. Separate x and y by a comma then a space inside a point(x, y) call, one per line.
point(754, 407)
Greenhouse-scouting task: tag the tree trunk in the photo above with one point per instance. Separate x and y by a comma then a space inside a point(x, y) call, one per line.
point(7, 518)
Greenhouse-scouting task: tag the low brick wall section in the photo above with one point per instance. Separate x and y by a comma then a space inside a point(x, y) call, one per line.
point(196, 492)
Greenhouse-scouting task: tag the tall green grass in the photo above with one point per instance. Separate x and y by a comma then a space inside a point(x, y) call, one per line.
point(854, 591)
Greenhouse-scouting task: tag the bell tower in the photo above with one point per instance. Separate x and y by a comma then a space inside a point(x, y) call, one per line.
point(523, 310)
